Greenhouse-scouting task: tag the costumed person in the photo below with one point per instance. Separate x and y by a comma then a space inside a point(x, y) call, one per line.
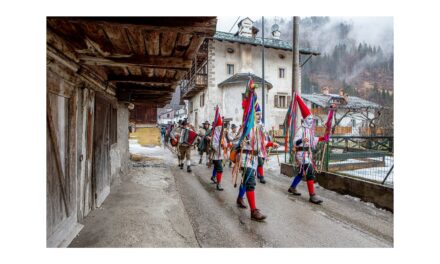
point(217, 147)
point(248, 153)
point(305, 141)
point(168, 131)
point(265, 142)
point(186, 141)
point(205, 141)
point(174, 140)
point(233, 139)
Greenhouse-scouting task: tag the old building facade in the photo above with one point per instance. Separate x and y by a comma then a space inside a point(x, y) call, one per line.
point(227, 62)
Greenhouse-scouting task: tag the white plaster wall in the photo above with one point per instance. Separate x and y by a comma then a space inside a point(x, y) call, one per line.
point(229, 98)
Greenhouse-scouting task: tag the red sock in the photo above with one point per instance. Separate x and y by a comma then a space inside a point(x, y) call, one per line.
point(260, 171)
point(219, 177)
point(311, 186)
point(251, 199)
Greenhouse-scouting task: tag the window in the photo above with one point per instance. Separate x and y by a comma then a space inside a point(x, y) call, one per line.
point(202, 99)
point(282, 100)
point(190, 106)
point(281, 72)
point(230, 69)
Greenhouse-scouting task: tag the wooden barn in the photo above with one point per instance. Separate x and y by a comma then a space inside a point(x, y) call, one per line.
point(96, 68)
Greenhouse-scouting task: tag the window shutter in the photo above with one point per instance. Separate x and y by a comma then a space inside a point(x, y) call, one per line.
point(289, 98)
point(276, 100)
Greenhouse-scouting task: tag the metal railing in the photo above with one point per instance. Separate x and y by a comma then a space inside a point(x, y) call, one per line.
point(367, 158)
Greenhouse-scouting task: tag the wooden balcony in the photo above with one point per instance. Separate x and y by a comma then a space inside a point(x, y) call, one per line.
point(195, 85)
point(318, 111)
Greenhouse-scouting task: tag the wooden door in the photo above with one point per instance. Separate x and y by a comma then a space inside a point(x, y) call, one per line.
point(101, 150)
point(57, 181)
point(87, 109)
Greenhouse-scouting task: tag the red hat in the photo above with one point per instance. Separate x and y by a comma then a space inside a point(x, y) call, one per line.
point(305, 112)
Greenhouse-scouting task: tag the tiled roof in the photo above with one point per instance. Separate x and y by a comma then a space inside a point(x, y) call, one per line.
point(242, 78)
point(353, 102)
point(268, 42)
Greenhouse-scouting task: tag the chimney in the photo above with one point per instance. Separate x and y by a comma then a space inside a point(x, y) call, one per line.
point(254, 32)
point(245, 27)
point(276, 32)
point(325, 90)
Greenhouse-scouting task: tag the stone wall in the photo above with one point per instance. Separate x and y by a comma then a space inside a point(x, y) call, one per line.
point(380, 195)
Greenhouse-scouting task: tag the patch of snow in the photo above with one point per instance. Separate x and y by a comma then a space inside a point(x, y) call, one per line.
point(136, 148)
point(347, 161)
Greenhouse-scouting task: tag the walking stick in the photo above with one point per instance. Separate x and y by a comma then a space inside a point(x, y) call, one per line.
point(278, 158)
point(237, 166)
point(323, 155)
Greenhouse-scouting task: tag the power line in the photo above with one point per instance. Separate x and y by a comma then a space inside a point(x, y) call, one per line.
point(234, 24)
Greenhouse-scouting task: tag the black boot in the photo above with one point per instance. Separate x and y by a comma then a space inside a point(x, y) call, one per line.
point(200, 161)
point(262, 180)
point(240, 203)
point(213, 179)
point(257, 216)
point(315, 199)
point(294, 191)
point(188, 168)
point(181, 166)
point(219, 187)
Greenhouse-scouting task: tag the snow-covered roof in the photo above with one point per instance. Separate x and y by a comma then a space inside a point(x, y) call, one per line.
point(243, 78)
point(352, 102)
point(268, 42)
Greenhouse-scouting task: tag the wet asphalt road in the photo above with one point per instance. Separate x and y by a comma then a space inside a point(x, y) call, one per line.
point(292, 221)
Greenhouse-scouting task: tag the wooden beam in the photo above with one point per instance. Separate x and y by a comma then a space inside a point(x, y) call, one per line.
point(136, 41)
point(193, 47)
point(118, 38)
point(138, 87)
point(140, 79)
point(182, 42)
point(160, 72)
point(170, 74)
point(140, 61)
point(201, 26)
point(167, 43)
point(152, 42)
point(83, 72)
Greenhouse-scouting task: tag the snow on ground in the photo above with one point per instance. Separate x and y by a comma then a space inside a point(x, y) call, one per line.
point(272, 162)
point(375, 173)
point(347, 161)
point(136, 148)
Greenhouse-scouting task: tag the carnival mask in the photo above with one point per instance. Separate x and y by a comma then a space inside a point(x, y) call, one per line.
point(308, 122)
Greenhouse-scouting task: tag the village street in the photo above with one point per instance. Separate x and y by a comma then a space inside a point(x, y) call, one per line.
point(159, 205)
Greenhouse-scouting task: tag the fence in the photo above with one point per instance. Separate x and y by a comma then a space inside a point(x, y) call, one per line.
point(368, 158)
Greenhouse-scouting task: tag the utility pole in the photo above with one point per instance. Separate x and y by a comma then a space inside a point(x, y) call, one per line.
point(262, 88)
point(295, 64)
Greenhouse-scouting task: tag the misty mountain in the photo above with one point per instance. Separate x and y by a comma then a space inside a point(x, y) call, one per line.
point(356, 55)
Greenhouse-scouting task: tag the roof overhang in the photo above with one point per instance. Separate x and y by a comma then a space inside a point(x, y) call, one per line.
point(143, 58)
